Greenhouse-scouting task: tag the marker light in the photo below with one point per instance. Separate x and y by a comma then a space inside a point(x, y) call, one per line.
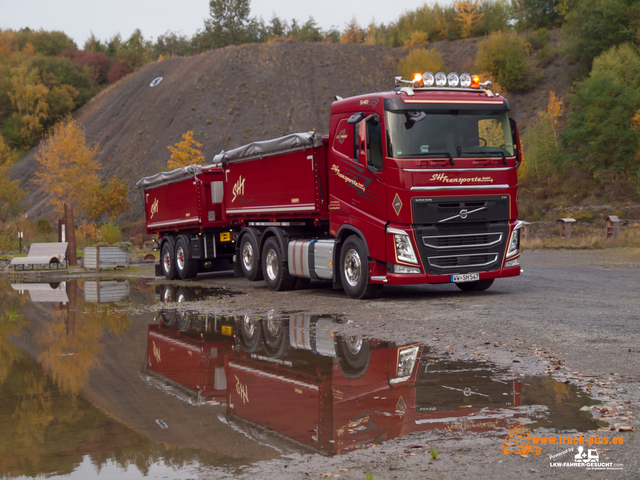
point(417, 80)
point(428, 79)
point(441, 79)
point(465, 80)
point(453, 80)
point(475, 81)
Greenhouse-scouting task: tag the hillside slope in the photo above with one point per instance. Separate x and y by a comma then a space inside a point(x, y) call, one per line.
point(232, 96)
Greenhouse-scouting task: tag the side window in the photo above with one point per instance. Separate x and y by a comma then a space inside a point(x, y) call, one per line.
point(374, 144)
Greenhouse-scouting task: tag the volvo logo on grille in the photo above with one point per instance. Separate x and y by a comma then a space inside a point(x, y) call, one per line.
point(463, 213)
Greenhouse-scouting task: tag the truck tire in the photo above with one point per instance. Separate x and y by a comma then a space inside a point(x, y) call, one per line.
point(167, 259)
point(186, 267)
point(354, 270)
point(354, 354)
point(477, 286)
point(249, 263)
point(276, 274)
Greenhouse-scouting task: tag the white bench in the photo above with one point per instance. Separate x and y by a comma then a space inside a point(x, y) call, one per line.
point(43, 254)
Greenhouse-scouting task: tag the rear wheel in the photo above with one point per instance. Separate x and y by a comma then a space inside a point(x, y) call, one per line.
point(249, 263)
point(185, 265)
point(276, 275)
point(167, 257)
point(477, 286)
point(354, 270)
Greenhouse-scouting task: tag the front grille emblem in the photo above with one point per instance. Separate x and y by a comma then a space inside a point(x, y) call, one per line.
point(463, 213)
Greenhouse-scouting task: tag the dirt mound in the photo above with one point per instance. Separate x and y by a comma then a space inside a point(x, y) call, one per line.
point(232, 96)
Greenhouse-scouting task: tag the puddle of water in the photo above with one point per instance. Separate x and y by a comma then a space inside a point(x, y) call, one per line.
point(83, 378)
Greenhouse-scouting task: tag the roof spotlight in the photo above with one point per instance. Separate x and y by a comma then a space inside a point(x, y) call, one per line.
point(428, 79)
point(453, 80)
point(441, 79)
point(465, 80)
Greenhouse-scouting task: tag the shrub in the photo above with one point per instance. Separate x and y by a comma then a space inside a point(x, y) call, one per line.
point(508, 59)
point(421, 60)
point(622, 63)
point(110, 233)
point(44, 227)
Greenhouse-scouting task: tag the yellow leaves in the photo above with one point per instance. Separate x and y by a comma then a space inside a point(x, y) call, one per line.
point(68, 166)
point(111, 199)
point(184, 154)
point(10, 193)
point(353, 33)
point(468, 15)
point(555, 108)
point(421, 60)
point(417, 38)
point(28, 97)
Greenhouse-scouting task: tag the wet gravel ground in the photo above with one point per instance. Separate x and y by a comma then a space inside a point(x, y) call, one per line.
point(572, 315)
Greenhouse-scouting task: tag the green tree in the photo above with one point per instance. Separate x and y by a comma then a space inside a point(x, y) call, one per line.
point(28, 96)
point(594, 26)
point(11, 195)
point(622, 62)
point(229, 23)
point(507, 58)
point(541, 142)
point(600, 134)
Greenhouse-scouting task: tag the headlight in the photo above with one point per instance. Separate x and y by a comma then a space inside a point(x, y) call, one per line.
point(406, 363)
point(514, 243)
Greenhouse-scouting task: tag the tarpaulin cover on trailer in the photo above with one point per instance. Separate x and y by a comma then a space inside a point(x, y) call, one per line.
point(164, 178)
point(266, 148)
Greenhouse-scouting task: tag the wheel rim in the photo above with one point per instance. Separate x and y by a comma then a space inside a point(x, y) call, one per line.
point(167, 261)
point(167, 296)
point(352, 268)
point(354, 344)
point(247, 256)
point(249, 327)
point(180, 258)
point(272, 264)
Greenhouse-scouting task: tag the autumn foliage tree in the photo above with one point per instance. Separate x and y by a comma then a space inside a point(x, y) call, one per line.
point(11, 195)
point(68, 166)
point(468, 15)
point(184, 154)
point(110, 199)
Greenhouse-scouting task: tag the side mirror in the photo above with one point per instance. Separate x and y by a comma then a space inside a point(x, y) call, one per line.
point(515, 136)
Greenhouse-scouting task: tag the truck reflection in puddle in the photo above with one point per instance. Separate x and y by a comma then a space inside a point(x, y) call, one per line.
point(289, 382)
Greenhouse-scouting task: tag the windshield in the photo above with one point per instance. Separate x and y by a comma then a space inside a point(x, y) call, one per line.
point(412, 134)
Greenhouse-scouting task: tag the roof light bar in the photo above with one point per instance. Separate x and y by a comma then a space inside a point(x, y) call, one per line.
point(453, 80)
point(441, 79)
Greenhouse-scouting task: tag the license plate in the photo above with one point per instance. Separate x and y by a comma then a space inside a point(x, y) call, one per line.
point(466, 277)
point(225, 237)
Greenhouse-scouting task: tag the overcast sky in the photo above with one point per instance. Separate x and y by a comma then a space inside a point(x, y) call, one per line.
point(78, 18)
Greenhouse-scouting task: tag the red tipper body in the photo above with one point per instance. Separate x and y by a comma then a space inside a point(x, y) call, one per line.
point(410, 186)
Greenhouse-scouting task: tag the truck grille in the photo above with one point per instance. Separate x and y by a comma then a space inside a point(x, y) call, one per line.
point(451, 244)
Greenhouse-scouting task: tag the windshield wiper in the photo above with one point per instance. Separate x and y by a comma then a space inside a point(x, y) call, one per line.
point(434, 154)
point(504, 157)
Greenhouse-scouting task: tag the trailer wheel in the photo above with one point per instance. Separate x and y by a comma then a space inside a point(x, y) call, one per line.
point(477, 286)
point(354, 270)
point(185, 265)
point(249, 263)
point(354, 354)
point(276, 274)
point(167, 258)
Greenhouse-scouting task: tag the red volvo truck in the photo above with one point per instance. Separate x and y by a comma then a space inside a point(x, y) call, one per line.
point(415, 185)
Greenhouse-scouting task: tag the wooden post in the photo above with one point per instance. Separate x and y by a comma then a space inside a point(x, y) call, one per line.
point(72, 293)
point(71, 234)
point(97, 259)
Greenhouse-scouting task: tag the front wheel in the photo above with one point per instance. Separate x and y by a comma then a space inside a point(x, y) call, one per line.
point(276, 275)
point(477, 286)
point(354, 270)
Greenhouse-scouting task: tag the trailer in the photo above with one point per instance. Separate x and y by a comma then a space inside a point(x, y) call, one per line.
point(416, 185)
